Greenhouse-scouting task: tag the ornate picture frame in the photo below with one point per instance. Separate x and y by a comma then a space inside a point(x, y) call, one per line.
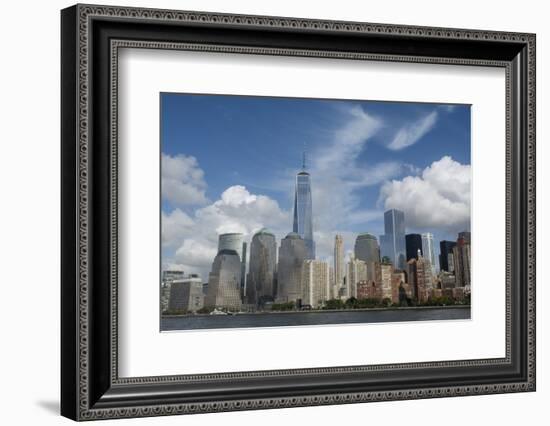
point(90, 384)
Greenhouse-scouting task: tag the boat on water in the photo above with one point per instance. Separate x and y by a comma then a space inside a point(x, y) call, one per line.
point(217, 311)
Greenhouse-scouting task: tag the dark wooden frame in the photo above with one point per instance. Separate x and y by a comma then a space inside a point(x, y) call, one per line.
point(90, 386)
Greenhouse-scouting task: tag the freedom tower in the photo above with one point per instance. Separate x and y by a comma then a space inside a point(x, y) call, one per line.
point(303, 215)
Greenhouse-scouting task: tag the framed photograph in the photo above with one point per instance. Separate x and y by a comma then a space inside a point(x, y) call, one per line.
point(279, 235)
point(263, 212)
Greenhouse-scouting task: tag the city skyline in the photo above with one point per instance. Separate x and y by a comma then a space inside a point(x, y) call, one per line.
point(354, 140)
point(388, 274)
point(294, 282)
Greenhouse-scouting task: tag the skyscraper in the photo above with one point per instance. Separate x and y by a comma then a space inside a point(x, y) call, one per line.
point(315, 283)
point(260, 285)
point(428, 249)
point(392, 243)
point(383, 281)
point(339, 267)
point(462, 261)
point(451, 261)
point(446, 249)
point(413, 243)
point(231, 241)
point(466, 236)
point(234, 241)
point(292, 254)
point(224, 282)
point(419, 274)
point(367, 249)
point(357, 271)
point(243, 269)
point(303, 213)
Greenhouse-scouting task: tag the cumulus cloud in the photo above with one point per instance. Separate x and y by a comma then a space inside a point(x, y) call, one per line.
point(195, 238)
point(438, 198)
point(175, 226)
point(182, 180)
point(413, 132)
point(197, 253)
point(240, 211)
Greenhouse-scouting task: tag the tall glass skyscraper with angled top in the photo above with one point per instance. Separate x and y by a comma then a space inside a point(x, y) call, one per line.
point(392, 243)
point(303, 210)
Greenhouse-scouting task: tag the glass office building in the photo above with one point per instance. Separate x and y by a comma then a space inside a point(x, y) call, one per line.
point(366, 249)
point(414, 245)
point(292, 254)
point(303, 212)
point(234, 241)
point(428, 249)
point(392, 243)
point(260, 284)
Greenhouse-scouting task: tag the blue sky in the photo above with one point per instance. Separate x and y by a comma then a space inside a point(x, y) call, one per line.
point(363, 156)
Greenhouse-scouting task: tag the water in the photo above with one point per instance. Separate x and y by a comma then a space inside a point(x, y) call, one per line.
point(197, 322)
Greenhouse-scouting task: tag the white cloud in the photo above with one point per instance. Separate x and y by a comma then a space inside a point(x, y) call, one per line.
point(240, 211)
point(175, 225)
point(347, 140)
point(167, 266)
point(364, 216)
point(196, 237)
point(197, 253)
point(182, 180)
point(337, 175)
point(413, 132)
point(438, 198)
point(376, 173)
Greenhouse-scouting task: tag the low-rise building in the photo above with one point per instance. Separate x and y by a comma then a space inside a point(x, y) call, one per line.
point(186, 294)
point(398, 280)
point(459, 293)
point(435, 293)
point(168, 276)
point(447, 280)
point(164, 296)
point(368, 290)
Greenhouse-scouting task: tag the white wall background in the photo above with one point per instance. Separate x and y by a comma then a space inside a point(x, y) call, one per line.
point(29, 212)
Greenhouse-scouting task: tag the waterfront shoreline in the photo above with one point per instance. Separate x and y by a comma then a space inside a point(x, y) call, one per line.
point(325, 311)
point(313, 318)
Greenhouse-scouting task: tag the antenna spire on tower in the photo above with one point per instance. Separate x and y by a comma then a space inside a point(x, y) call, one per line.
point(304, 158)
